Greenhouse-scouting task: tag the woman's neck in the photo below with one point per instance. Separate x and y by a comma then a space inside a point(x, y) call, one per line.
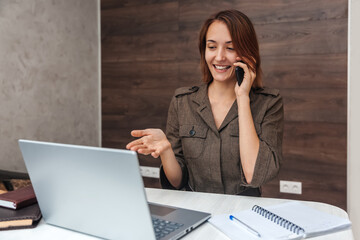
point(222, 91)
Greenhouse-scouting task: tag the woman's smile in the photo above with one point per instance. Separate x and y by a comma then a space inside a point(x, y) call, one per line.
point(221, 68)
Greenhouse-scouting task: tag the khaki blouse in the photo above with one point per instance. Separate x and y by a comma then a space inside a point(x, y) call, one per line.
point(210, 157)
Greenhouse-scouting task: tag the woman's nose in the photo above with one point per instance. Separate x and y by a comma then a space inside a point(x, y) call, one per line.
point(220, 55)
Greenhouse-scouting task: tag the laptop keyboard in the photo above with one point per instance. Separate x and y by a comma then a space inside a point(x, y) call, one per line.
point(164, 227)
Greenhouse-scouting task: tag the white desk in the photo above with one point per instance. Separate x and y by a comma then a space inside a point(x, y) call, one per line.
point(213, 203)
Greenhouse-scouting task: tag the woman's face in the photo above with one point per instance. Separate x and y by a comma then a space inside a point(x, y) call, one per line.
point(219, 53)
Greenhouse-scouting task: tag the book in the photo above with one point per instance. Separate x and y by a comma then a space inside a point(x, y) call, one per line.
point(18, 198)
point(292, 220)
point(26, 217)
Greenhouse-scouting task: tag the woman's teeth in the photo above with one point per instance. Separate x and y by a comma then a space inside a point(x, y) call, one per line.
point(221, 67)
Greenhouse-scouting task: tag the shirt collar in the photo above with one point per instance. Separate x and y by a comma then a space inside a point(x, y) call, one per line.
point(204, 109)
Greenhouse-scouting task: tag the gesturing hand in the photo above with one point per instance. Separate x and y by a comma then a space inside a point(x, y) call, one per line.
point(151, 141)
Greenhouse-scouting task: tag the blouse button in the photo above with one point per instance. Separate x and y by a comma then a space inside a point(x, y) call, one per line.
point(192, 132)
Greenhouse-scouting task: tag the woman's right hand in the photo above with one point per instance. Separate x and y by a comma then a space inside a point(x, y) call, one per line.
point(151, 141)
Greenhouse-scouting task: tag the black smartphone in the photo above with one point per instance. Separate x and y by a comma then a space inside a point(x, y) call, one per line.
point(239, 74)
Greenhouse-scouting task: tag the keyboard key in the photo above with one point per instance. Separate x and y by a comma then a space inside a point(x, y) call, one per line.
point(164, 227)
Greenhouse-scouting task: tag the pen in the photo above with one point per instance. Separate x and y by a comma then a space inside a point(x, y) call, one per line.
point(250, 229)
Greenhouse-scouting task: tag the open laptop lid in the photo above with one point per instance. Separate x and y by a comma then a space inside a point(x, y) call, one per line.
point(93, 190)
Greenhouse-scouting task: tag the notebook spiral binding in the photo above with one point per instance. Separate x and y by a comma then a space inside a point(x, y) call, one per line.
point(278, 220)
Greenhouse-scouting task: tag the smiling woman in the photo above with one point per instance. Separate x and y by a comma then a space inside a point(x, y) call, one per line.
point(219, 54)
point(240, 39)
point(221, 137)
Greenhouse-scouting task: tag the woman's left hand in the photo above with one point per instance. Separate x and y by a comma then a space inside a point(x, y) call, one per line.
point(249, 77)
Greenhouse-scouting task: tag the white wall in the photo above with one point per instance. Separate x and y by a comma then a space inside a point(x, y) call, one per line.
point(353, 186)
point(49, 74)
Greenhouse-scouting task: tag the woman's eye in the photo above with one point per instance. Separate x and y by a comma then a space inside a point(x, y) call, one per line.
point(211, 47)
point(229, 48)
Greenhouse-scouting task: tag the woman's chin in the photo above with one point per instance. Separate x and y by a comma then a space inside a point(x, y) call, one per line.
point(224, 80)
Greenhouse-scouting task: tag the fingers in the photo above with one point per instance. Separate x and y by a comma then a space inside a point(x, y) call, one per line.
point(248, 73)
point(243, 64)
point(155, 154)
point(139, 133)
point(134, 143)
point(139, 147)
point(158, 151)
point(146, 151)
point(140, 141)
point(240, 64)
point(136, 147)
point(252, 76)
point(150, 142)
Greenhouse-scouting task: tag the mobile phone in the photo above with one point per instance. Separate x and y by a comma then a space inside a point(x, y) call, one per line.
point(239, 74)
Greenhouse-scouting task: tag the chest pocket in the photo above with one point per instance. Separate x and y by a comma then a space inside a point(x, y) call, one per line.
point(193, 140)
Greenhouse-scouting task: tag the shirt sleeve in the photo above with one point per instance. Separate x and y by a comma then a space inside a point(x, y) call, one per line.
point(270, 150)
point(172, 134)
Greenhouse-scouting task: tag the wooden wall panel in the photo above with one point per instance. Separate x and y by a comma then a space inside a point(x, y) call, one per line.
point(303, 38)
point(274, 11)
point(318, 105)
point(304, 71)
point(149, 48)
point(144, 75)
point(149, 18)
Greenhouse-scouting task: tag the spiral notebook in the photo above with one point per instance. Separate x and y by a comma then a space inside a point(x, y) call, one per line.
point(292, 220)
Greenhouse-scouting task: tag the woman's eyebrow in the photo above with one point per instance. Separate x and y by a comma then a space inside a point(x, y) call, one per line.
point(209, 40)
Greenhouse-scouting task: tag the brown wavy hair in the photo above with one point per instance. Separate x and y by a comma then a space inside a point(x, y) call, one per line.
point(243, 38)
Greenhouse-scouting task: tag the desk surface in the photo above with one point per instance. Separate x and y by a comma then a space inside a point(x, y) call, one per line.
point(207, 202)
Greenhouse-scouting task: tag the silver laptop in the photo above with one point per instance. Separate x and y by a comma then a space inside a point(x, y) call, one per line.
point(100, 192)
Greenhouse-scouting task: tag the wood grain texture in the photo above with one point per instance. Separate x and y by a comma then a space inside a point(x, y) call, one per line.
point(282, 39)
point(111, 4)
point(140, 19)
point(140, 75)
point(305, 71)
point(193, 13)
point(149, 48)
point(303, 38)
point(320, 105)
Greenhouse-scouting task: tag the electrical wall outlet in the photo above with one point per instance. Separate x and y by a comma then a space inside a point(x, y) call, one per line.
point(290, 187)
point(151, 172)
